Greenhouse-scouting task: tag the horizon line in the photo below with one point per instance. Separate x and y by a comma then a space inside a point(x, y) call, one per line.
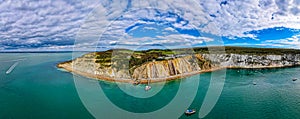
point(68, 51)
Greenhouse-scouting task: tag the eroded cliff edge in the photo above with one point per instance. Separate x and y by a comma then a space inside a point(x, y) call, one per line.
point(159, 65)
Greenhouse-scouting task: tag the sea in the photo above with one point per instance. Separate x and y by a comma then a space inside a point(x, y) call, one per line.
point(36, 89)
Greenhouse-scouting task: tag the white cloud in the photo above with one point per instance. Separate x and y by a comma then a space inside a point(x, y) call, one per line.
point(178, 40)
point(149, 28)
point(169, 29)
point(56, 23)
point(292, 42)
point(34, 24)
point(232, 19)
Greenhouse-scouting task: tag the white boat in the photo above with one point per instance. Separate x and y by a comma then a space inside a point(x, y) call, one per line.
point(147, 88)
point(11, 68)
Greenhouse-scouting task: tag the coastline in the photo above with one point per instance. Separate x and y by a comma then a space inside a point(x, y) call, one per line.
point(156, 80)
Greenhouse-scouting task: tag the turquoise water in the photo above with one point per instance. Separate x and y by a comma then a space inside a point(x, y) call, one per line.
point(37, 89)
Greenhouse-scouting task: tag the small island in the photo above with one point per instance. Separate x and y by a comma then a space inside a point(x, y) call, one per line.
point(156, 65)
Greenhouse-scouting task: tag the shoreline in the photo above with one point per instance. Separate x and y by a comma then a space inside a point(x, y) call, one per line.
point(156, 80)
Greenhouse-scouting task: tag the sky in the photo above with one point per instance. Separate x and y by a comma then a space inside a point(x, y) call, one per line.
point(146, 24)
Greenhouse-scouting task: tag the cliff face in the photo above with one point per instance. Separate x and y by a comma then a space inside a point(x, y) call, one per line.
point(167, 68)
point(253, 61)
point(156, 70)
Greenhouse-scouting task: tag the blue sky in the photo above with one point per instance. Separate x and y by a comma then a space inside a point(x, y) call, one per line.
point(59, 24)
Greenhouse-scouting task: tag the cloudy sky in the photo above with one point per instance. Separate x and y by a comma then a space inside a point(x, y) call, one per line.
point(104, 24)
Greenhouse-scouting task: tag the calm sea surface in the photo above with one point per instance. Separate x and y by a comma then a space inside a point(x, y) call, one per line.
point(37, 89)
